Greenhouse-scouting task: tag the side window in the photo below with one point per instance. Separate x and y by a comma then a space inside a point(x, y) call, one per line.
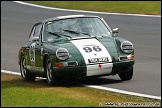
point(31, 34)
point(36, 30)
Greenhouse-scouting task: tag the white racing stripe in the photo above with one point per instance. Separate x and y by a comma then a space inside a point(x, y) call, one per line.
point(96, 56)
point(101, 88)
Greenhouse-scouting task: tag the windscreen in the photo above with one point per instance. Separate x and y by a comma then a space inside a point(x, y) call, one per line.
point(76, 27)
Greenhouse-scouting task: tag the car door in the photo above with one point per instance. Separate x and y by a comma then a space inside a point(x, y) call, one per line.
point(38, 48)
point(34, 48)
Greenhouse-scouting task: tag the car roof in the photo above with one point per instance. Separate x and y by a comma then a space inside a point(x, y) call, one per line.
point(65, 17)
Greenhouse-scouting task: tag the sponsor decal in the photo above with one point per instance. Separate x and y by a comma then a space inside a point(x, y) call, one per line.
point(99, 65)
point(97, 60)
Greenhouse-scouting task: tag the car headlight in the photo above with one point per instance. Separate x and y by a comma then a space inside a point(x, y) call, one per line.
point(62, 53)
point(126, 47)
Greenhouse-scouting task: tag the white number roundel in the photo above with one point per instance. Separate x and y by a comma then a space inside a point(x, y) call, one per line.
point(32, 53)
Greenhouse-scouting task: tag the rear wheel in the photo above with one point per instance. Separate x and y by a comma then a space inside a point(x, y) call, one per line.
point(26, 76)
point(127, 75)
point(52, 79)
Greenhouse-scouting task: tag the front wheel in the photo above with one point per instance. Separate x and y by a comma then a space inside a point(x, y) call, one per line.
point(52, 79)
point(26, 76)
point(127, 75)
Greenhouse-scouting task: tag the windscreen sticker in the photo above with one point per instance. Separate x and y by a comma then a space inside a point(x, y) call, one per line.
point(49, 22)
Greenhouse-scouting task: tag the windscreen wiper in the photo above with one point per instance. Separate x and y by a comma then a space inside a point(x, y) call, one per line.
point(76, 32)
point(53, 33)
point(67, 36)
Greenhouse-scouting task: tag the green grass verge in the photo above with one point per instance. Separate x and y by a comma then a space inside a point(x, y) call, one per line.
point(134, 7)
point(16, 93)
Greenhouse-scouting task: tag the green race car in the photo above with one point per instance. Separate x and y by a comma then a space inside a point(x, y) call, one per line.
point(75, 46)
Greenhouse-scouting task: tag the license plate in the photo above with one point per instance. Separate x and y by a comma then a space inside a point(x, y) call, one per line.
point(97, 60)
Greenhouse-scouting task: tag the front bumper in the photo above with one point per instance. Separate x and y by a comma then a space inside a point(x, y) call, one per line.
point(70, 71)
point(122, 66)
point(93, 70)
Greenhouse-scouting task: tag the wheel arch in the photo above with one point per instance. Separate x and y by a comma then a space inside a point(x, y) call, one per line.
point(20, 55)
point(44, 59)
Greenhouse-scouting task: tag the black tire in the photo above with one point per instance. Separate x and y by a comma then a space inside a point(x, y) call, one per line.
point(52, 79)
point(25, 75)
point(127, 75)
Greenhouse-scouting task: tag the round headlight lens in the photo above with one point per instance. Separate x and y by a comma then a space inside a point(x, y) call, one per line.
point(62, 53)
point(127, 47)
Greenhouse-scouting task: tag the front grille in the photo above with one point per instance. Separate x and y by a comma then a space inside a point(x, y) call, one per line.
point(123, 58)
point(74, 63)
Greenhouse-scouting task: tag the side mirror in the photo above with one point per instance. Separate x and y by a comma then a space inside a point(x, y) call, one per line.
point(115, 30)
point(35, 39)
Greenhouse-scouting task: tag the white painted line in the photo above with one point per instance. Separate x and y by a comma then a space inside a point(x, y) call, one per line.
point(10, 72)
point(100, 87)
point(45, 7)
point(123, 92)
point(15, 73)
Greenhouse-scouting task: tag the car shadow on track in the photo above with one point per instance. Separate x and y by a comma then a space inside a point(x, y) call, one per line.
point(41, 83)
point(95, 81)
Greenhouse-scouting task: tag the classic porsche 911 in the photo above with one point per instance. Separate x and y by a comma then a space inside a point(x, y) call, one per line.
point(75, 46)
